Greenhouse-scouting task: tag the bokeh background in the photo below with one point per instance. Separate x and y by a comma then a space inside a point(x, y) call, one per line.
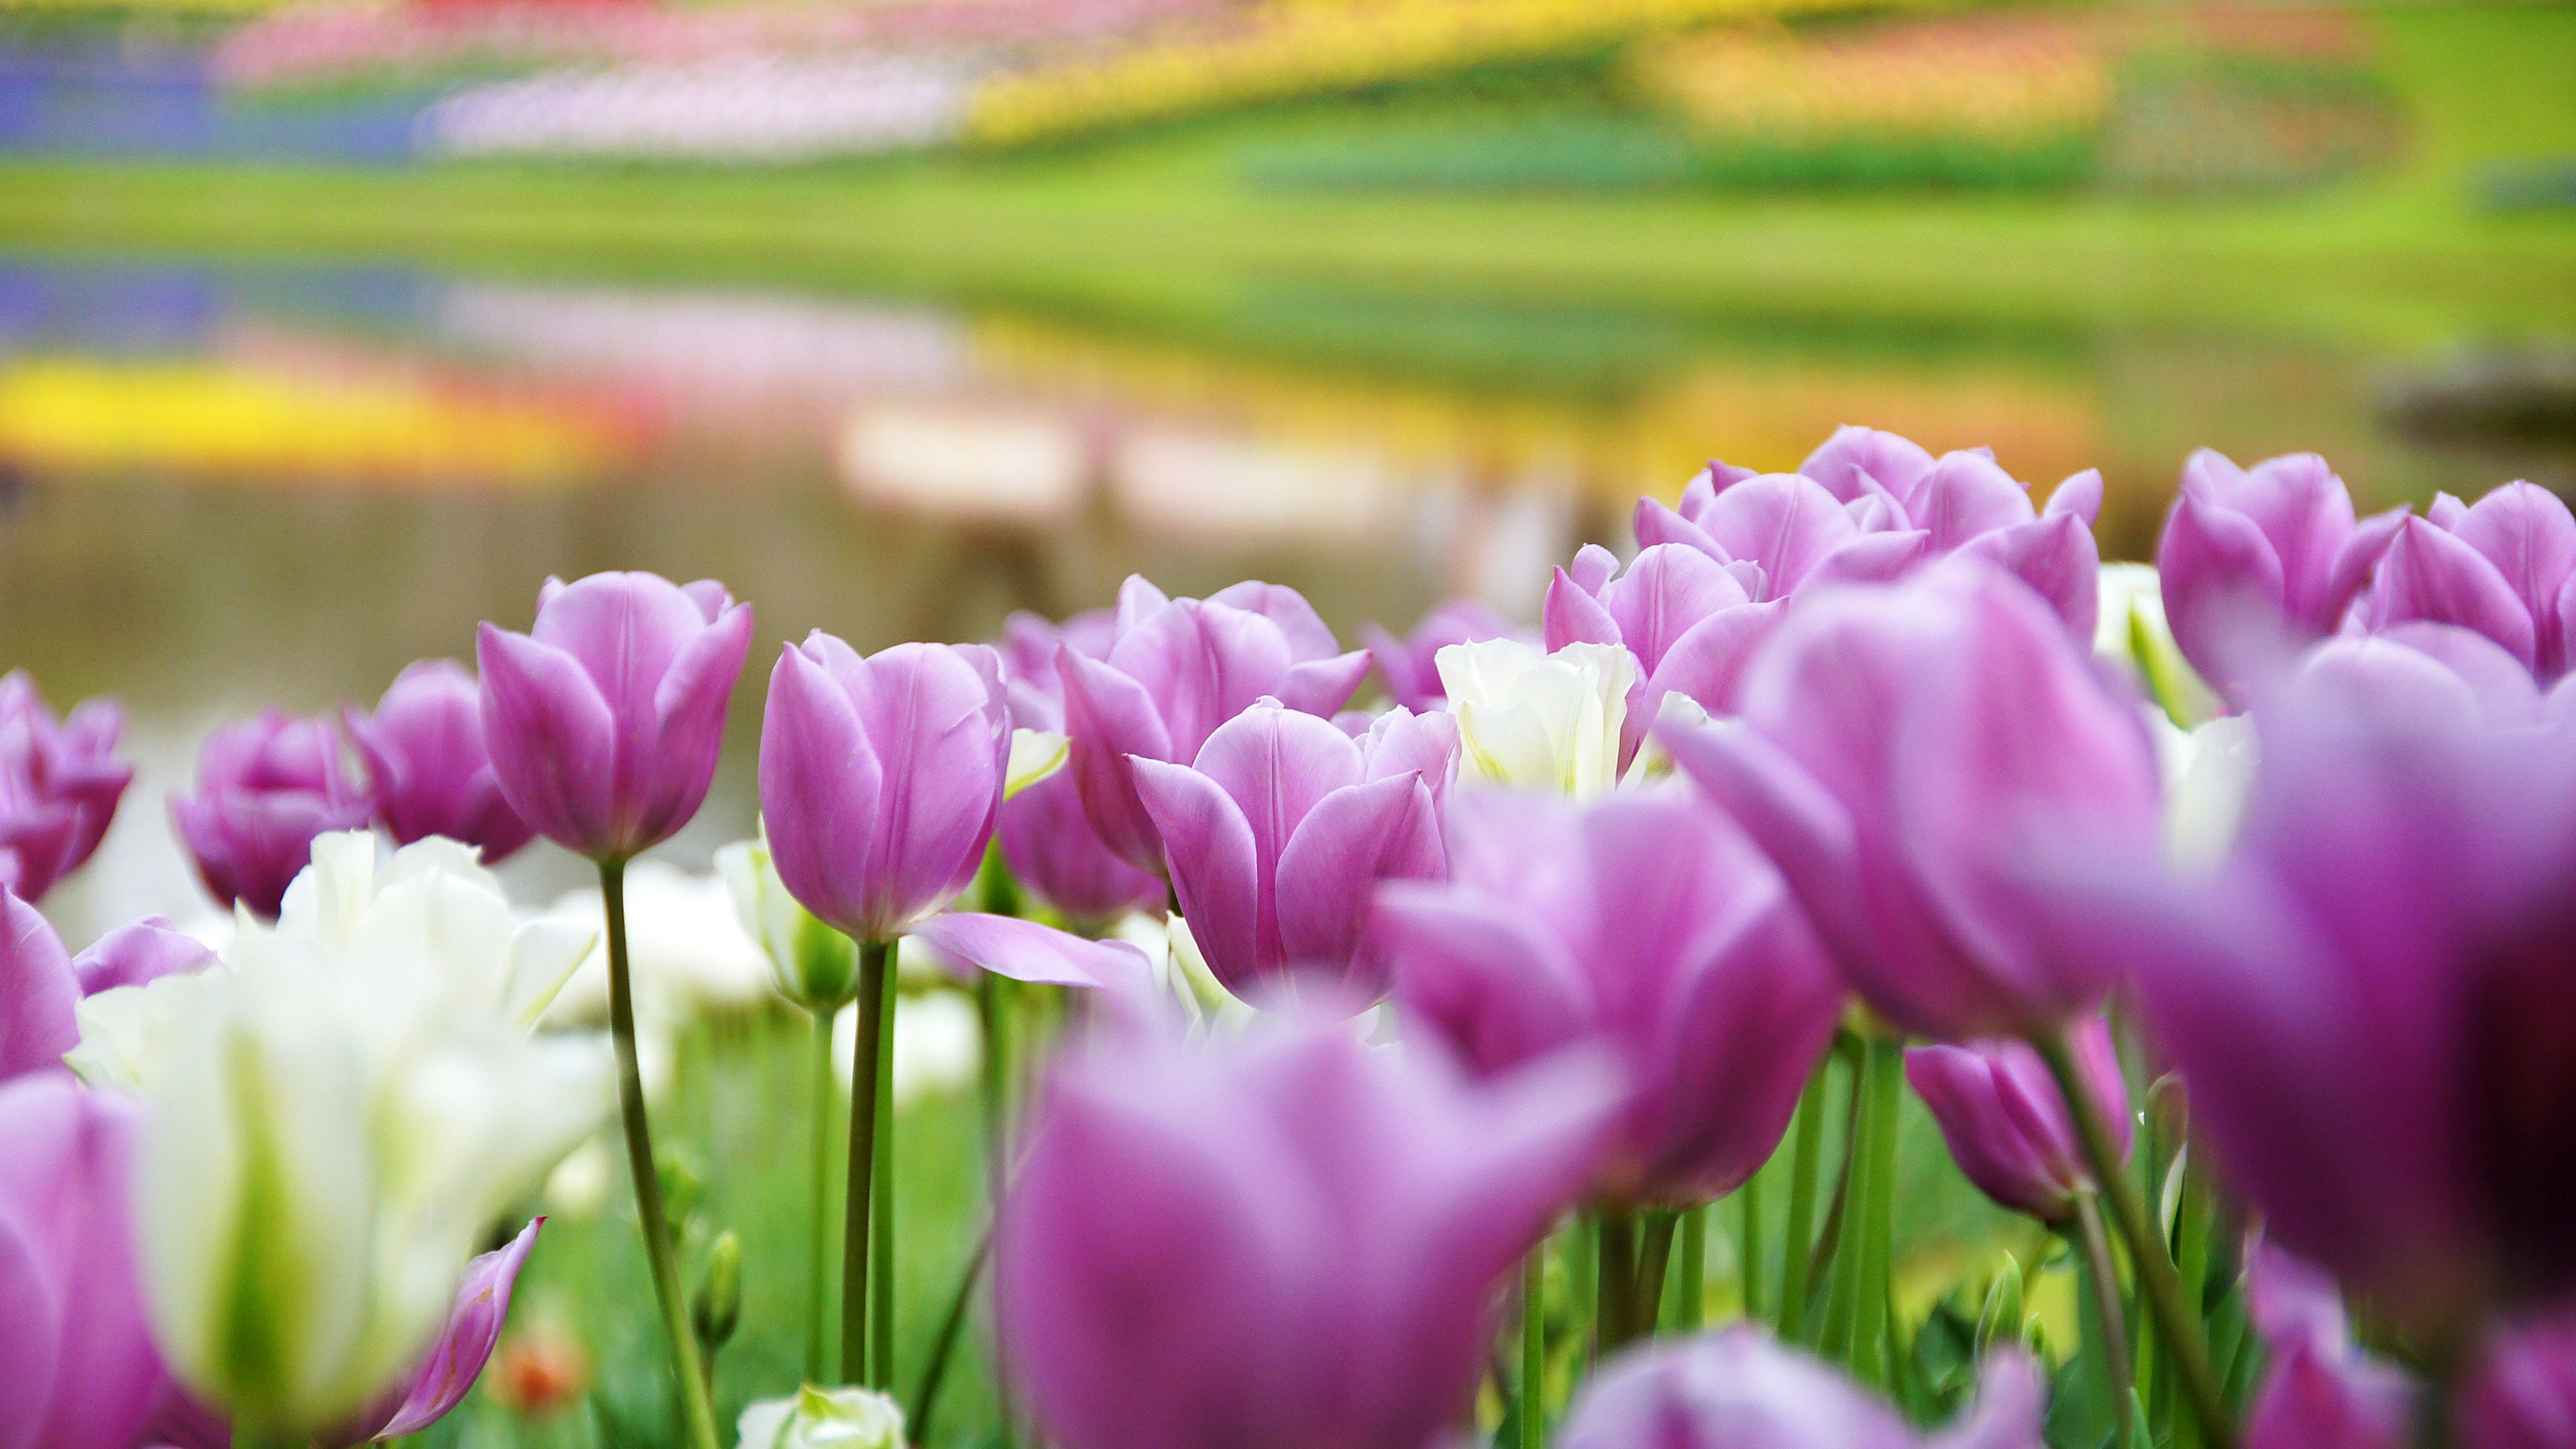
point(329, 328)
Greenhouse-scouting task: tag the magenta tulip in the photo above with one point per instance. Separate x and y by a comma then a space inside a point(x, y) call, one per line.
point(2522, 1393)
point(2320, 1391)
point(1917, 759)
point(59, 785)
point(139, 953)
point(77, 1365)
point(1282, 826)
point(1690, 621)
point(880, 778)
point(1740, 1389)
point(427, 766)
point(1643, 926)
point(1789, 528)
point(2256, 562)
point(41, 985)
point(2501, 568)
point(265, 788)
point(2370, 999)
point(1410, 666)
point(1287, 1241)
point(2006, 1122)
point(1176, 670)
point(1046, 838)
point(604, 721)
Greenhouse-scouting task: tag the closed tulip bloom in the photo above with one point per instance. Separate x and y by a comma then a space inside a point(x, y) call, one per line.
point(1689, 621)
point(2369, 997)
point(1047, 839)
point(60, 782)
point(1644, 927)
point(1410, 665)
point(265, 788)
point(604, 721)
point(77, 1365)
point(880, 778)
point(426, 764)
point(1741, 1389)
point(1290, 1240)
point(1917, 759)
point(1283, 825)
point(1175, 670)
point(2006, 1122)
point(2257, 561)
point(2501, 567)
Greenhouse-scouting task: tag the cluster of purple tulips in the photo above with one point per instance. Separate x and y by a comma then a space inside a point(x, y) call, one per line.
point(1397, 1066)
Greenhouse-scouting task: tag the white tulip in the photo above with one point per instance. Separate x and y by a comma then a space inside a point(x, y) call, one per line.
point(810, 963)
point(813, 1418)
point(2131, 630)
point(1035, 754)
point(1540, 721)
point(340, 1109)
point(2209, 778)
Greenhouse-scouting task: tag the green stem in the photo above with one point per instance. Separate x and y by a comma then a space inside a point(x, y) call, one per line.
point(1616, 1317)
point(1654, 1262)
point(1851, 1210)
point(1871, 1327)
point(1533, 1405)
point(1692, 1271)
point(2160, 1284)
point(925, 1400)
point(1809, 1140)
point(818, 1248)
point(881, 1272)
point(2105, 1278)
point(695, 1409)
point(874, 956)
point(2194, 1227)
point(1583, 1281)
point(1749, 1260)
point(248, 1438)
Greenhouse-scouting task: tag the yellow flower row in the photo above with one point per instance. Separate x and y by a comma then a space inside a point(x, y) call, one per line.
point(1985, 83)
point(1290, 48)
point(60, 414)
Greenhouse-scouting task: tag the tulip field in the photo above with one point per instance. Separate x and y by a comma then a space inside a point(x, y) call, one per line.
point(1861, 970)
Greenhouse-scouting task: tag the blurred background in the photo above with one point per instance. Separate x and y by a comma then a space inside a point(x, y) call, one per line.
point(328, 328)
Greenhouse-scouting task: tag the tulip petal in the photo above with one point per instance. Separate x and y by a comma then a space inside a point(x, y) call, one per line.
point(1853, 453)
point(1204, 663)
point(1215, 868)
point(1781, 521)
point(465, 1341)
point(2530, 536)
point(2432, 576)
point(1573, 615)
point(553, 740)
point(2011, 1408)
point(1025, 950)
point(2057, 558)
point(1654, 524)
point(1109, 718)
point(1871, 558)
point(64, 1198)
point(2221, 582)
point(1966, 495)
point(30, 1338)
point(689, 714)
point(818, 769)
point(1468, 968)
point(137, 954)
point(38, 991)
point(1705, 664)
point(2080, 495)
point(1321, 686)
point(1353, 838)
point(1793, 818)
point(1308, 637)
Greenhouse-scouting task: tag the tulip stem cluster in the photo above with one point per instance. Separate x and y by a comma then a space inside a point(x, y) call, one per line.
point(2105, 1278)
point(695, 1408)
point(2158, 1281)
point(867, 1107)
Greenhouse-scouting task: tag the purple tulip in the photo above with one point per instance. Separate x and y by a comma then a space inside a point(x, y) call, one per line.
point(1176, 670)
point(1046, 838)
point(1740, 1389)
point(604, 721)
point(265, 788)
point(41, 985)
point(2006, 1122)
point(1282, 826)
point(2258, 561)
point(2321, 1391)
point(2501, 568)
point(59, 785)
point(1644, 926)
point(880, 778)
point(426, 762)
point(1409, 665)
point(2522, 1394)
point(1789, 528)
point(77, 1365)
point(1917, 759)
point(1287, 1241)
point(2370, 999)
point(1690, 621)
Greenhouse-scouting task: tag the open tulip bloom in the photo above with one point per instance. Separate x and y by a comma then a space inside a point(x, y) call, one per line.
point(1420, 1075)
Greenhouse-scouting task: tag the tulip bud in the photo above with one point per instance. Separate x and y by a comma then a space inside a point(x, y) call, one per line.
point(814, 1418)
point(2000, 1321)
point(717, 1309)
point(427, 766)
point(266, 788)
point(59, 785)
point(813, 965)
point(2006, 1123)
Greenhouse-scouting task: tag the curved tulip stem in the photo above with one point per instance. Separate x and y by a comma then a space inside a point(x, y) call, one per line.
point(925, 1399)
point(2105, 1277)
point(1533, 1405)
point(690, 1381)
point(874, 957)
point(818, 1276)
point(2158, 1282)
point(1809, 1140)
point(881, 1244)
